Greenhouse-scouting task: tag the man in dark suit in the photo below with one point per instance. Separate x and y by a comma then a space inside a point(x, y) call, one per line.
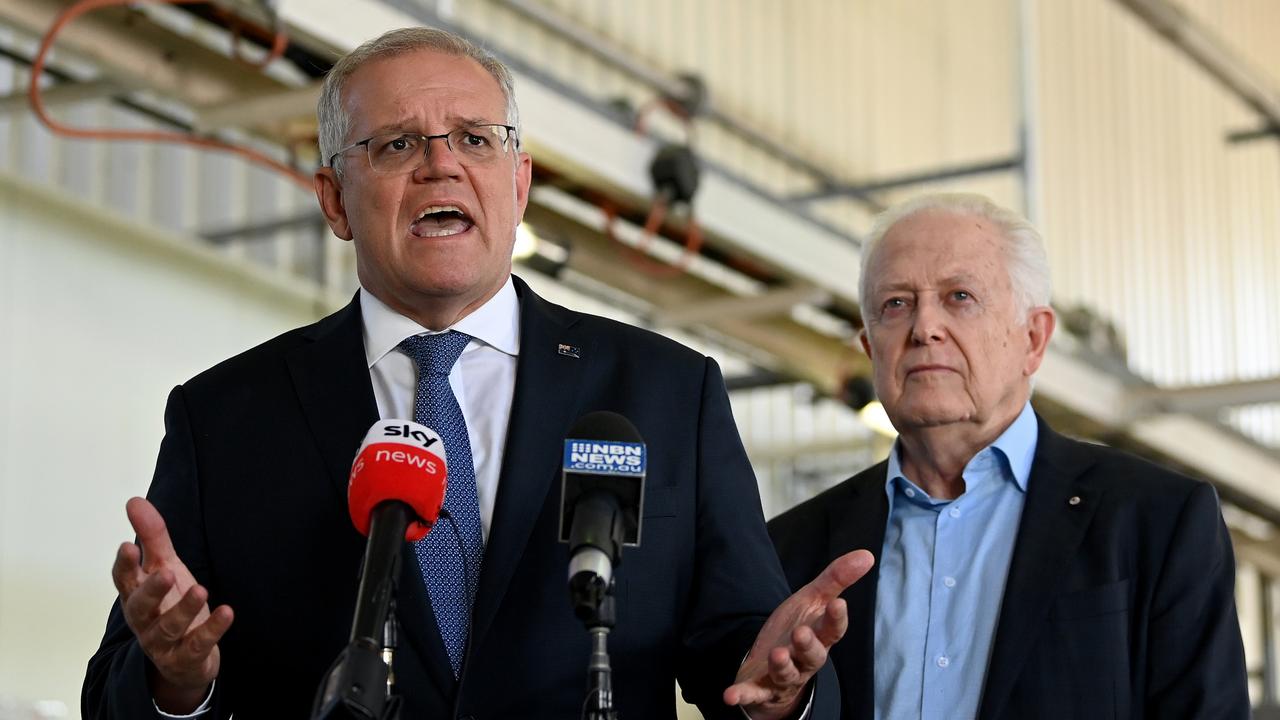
point(1020, 574)
point(247, 509)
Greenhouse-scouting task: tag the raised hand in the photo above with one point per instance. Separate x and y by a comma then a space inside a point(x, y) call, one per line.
point(793, 643)
point(168, 612)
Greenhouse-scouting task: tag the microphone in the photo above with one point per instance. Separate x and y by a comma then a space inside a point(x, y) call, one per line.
point(602, 492)
point(394, 494)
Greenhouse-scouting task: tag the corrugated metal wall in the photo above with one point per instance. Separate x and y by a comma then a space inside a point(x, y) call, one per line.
point(1153, 218)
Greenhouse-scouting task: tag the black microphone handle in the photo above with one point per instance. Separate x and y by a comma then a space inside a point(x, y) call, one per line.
point(387, 526)
point(595, 546)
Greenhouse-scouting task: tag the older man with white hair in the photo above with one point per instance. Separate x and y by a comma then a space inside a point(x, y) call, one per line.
point(1020, 574)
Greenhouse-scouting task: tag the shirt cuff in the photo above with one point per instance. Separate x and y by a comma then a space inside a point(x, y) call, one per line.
point(204, 706)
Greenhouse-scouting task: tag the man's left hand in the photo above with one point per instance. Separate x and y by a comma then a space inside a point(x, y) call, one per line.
point(793, 643)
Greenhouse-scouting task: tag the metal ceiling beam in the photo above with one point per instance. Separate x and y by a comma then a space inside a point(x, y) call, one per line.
point(62, 94)
point(137, 53)
point(1211, 53)
point(1201, 399)
point(288, 104)
point(778, 344)
point(768, 304)
point(863, 189)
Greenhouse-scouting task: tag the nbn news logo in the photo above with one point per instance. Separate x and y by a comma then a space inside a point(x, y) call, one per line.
point(604, 457)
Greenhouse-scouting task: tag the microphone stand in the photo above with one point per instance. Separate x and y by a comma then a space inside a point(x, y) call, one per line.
point(599, 702)
point(360, 682)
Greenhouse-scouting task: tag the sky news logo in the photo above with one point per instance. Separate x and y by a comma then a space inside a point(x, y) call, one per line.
point(412, 432)
point(604, 458)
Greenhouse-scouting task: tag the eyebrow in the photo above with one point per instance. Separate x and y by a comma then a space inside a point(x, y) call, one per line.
point(962, 279)
point(405, 125)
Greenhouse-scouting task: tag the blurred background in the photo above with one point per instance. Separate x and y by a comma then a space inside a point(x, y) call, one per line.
point(703, 168)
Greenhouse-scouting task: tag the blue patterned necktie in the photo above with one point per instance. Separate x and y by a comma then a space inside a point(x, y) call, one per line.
point(449, 556)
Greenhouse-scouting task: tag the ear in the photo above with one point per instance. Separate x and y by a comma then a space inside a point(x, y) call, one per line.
point(1041, 322)
point(524, 177)
point(329, 192)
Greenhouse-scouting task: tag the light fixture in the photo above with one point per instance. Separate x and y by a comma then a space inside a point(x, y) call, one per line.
point(858, 392)
point(526, 242)
point(873, 416)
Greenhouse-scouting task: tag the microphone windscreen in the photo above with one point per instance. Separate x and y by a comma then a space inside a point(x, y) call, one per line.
point(605, 425)
point(399, 460)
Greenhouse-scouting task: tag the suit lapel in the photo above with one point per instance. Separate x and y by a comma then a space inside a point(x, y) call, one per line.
point(544, 407)
point(331, 378)
point(858, 521)
point(1050, 532)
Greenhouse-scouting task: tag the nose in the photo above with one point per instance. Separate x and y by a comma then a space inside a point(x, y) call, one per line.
point(438, 161)
point(928, 326)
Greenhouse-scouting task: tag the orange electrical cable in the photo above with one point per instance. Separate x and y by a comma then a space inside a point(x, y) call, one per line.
point(58, 128)
point(637, 256)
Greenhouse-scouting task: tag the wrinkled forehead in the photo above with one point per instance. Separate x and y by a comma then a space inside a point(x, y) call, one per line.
point(423, 91)
point(934, 246)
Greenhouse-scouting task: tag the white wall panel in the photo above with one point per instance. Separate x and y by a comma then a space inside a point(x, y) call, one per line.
point(1152, 218)
point(101, 318)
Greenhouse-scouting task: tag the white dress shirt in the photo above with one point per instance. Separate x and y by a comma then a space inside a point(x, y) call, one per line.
point(483, 379)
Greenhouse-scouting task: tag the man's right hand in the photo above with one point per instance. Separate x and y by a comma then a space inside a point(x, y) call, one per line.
point(168, 613)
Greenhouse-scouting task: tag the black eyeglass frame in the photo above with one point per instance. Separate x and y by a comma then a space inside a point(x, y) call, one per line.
point(426, 139)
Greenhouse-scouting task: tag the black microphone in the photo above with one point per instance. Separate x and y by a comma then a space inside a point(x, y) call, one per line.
point(602, 493)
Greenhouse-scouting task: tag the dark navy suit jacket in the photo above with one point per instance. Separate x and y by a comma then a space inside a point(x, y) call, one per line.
point(251, 480)
point(1119, 604)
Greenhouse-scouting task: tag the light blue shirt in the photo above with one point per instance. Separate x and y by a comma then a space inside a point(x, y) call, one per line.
point(942, 575)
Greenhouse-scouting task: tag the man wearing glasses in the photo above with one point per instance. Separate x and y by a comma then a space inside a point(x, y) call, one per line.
point(247, 512)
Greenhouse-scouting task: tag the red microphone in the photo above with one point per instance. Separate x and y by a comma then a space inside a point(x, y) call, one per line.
point(399, 461)
point(394, 494)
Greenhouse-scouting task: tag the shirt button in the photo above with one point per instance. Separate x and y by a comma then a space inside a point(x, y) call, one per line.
point(943, 661)
point(954, 512)
point(909, 492)
point(949, 581)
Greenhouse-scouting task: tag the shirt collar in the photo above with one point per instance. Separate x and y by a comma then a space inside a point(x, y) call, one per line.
point(496, 323)
point(1017, 444)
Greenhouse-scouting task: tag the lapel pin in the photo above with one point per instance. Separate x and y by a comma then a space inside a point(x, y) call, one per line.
point(569, 350)
point(1075, 500)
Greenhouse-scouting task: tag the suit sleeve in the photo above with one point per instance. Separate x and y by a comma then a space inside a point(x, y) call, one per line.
point(737, 580)
point(1196, 662)
point(115, 685)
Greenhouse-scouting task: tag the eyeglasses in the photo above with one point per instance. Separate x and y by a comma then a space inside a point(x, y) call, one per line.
point(399, 152)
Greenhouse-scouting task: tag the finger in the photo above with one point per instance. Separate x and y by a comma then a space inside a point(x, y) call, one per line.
point(842, 572)
point(143, 605)
point(807, 653)
point(171, 626)
point(153, 535)
point(745, 693)
point(201, 640)
point(833, 624)
point(126, 571)
point(784, 673)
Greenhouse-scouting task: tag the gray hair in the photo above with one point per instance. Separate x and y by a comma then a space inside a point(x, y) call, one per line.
point(335, 122)
point(1025, 258)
